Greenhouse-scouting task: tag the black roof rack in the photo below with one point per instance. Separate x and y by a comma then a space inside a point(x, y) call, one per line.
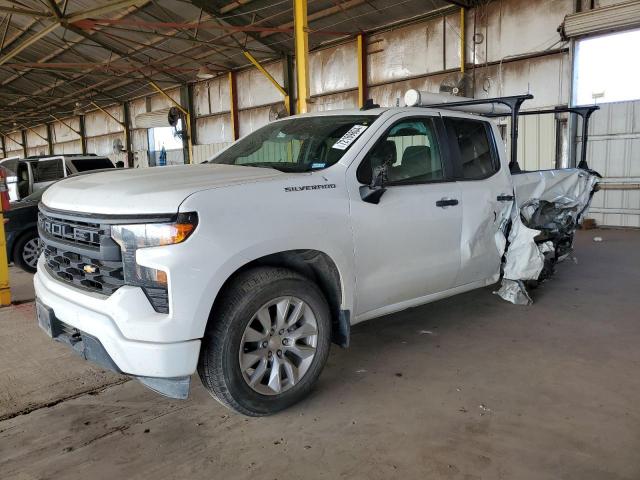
point(514, 102)
point(583, 111)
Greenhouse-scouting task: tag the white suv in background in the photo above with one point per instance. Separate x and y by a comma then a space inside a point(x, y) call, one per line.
point(28, 175)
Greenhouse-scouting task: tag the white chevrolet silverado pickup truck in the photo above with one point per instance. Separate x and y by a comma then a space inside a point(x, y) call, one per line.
point(247, 267)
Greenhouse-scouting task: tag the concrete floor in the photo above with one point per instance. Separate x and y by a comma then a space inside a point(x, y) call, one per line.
point(465, 388)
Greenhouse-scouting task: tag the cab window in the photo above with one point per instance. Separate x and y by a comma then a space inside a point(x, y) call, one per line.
point(472, 138)
point(410, 152)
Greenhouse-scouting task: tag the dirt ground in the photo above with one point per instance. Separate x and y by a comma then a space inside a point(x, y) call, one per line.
point(466, 388)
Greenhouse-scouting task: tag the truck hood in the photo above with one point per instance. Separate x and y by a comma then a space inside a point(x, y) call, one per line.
point(146, 190)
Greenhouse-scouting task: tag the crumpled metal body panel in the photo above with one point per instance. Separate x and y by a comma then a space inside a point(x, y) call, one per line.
point(549, 206)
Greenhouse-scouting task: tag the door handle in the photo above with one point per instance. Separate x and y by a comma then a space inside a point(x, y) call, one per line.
point(446, 202)
point(505, 198)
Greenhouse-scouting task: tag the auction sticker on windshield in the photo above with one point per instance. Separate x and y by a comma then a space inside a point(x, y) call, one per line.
point(349, 137)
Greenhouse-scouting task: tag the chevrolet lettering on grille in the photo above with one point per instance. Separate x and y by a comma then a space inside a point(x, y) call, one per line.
point(69, 232)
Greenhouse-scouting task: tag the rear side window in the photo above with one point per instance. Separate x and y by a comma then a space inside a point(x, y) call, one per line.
point(47, 170)
point(477, 156)
point(96, 163)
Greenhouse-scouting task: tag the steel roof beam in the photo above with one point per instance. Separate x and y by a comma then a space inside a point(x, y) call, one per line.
point(207, 7)
point(25, 11)
point(64, 21)
point(61, 50)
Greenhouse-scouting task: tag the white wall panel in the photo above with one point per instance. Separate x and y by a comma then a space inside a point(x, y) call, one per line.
point(614, 151)
point(547, 78)
point(409, 51)
point(13, 144)
point(103, 145)
point(201, 98)
point(253, 119)
point(14, 153)
point(254, 89)
point(202, 153)
point(333, 69)
point(336, 101)
point(136, 107)
point(99, 123)
point(537, 142)
point(62, 133)
point(69, 148)
point(159, 101)
point(40, 150)
point(219, 100)
point(214, 129)
point(140, 139)
point(393, 93)
point(212, 96)
point(34, 138)
point(516, 27)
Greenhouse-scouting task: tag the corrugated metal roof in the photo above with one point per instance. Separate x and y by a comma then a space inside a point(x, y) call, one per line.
point(106, 51)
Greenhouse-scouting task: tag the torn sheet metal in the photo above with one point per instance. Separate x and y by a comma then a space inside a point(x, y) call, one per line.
point(514, 291)
point(549, 207)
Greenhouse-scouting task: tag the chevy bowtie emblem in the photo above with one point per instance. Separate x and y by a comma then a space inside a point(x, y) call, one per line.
point(89, 269)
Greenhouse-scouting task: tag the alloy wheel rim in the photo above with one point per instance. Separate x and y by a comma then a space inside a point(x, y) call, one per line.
point(31, 252)
point(278, 345)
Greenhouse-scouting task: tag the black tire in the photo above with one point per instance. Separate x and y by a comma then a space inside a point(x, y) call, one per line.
point(219, 367)
point(19, 251)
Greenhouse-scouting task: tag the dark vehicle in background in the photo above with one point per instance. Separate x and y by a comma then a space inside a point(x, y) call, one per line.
point(21, 221)
point(21, 230)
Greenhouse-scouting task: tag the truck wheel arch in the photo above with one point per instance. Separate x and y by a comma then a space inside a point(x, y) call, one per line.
point(318, 267)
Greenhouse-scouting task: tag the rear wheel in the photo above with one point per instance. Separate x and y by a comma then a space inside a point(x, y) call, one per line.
point(268, 342)
point(27, 251)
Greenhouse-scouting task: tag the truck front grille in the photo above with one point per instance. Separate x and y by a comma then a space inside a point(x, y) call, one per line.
point(83, 271)
point(73, 231)
point(79, 251)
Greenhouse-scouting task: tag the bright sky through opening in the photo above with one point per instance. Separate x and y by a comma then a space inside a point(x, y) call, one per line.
point(607, 69)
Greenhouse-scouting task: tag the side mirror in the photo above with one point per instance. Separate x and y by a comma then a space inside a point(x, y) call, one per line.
point(373, 192)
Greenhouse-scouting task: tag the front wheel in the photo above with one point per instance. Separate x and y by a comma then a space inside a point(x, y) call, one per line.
point(267, 342)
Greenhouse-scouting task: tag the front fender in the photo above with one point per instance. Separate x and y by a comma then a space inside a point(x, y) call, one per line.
point(240, 224)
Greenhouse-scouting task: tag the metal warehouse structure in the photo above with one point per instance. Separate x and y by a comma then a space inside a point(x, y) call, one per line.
point(80, 76)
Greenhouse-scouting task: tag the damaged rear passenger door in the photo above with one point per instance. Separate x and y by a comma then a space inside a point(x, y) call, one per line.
point(487, 195)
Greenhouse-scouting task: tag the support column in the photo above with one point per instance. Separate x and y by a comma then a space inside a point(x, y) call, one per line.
point(50, 138)
point(302, 53)
point(463, 51)
point(5, 291)
point(24, 143)
point(233, 106)
point(289, 75)
point(128, 140)
point(362, 69)
point(191, 106)
point(83, 135)
point(187, 143)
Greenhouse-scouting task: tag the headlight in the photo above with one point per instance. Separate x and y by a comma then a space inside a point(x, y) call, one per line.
point(142, 235)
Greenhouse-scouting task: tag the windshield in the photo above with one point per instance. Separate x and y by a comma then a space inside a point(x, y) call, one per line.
point(299, 144)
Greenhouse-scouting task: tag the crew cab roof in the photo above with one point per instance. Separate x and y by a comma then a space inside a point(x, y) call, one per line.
point(376, 112)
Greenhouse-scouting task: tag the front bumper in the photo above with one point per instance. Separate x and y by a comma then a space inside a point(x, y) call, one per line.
point(97, 316)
